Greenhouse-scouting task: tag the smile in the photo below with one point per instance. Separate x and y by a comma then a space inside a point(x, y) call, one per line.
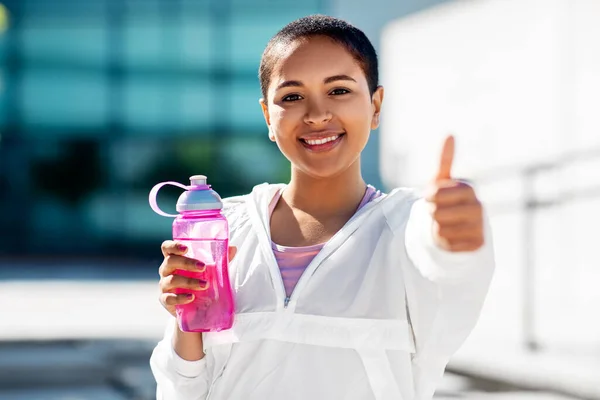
point(322, 144)
point(314, 142)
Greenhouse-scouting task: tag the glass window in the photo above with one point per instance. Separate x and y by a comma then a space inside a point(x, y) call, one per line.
point(195, 104)
point(145, 102)
point(196, 6)
point(140, 7)
point(65, 40)
point(70, 9)
point(129, 159)
point(3, 43)
point(177, 105)
point(63, 98)
point(196, 41)
point(142, 42)
point(4, 24)
point(173, 36)
point(245, 111)
point(190, 68)
point(3, 95)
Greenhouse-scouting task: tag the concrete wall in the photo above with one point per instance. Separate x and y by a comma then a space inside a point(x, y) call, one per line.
point(518, 83)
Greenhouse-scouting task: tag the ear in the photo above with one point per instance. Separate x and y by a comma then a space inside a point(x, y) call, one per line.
point(265, 110)
point(377, 100)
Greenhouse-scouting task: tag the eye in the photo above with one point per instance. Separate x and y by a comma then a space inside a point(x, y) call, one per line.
point(339, 91)
point(292, 97)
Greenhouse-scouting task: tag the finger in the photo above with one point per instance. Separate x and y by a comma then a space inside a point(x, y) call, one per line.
point(446, 160)
point(452, 194)
point(169, 247)
point(170, 283)
point(457, 233)
point(172, 263)
point(172, 299)
point(467, 213)
point(232, 252)
point(467, 245)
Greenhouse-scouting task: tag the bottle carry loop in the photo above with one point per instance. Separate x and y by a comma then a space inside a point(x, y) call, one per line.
point(154, 193)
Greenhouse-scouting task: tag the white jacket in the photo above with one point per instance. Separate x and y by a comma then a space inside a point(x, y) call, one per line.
point(375, 316)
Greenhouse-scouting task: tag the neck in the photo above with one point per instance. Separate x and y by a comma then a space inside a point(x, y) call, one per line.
point(340, 194)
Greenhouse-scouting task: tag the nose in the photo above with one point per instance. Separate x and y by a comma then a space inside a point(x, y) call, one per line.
point(317, 113)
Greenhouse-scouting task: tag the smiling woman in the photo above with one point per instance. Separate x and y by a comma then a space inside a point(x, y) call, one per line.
point(342, 292)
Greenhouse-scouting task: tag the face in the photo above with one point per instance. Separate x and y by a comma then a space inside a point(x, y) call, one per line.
point(319, 110)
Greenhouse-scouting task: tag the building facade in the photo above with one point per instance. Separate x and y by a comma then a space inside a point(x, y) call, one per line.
point(101, 99)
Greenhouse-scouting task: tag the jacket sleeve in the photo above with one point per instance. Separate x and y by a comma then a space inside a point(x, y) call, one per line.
point(445, 293)
point(176, 378)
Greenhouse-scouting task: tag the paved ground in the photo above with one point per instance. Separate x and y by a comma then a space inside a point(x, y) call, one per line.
point(76, 370)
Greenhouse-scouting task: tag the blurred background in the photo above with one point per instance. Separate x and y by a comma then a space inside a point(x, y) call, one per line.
point(101, 99)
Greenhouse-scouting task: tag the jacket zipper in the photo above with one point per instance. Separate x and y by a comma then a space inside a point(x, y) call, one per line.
point(342, 235)
point(311, 268)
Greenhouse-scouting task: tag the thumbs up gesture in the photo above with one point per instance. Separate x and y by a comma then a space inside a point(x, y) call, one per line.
point(457, 213)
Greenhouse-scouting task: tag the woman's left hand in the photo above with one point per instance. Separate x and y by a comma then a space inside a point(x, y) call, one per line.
point(456, 211)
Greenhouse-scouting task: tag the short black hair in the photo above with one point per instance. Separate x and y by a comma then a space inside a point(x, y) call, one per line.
point(340, 31)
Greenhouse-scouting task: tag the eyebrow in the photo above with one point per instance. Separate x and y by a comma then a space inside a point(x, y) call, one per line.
point(325, 81)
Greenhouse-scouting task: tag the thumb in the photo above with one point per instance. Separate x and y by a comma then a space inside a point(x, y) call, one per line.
point(446, 160)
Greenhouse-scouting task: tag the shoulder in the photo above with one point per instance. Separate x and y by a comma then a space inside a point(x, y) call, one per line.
point(234, 203)
point(397, 206)
point(237, 208)
point(240, 203)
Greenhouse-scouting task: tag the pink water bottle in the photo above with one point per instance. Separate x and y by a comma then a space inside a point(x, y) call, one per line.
point(201, 226)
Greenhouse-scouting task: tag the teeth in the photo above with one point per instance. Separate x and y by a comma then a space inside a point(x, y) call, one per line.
point(321, 141)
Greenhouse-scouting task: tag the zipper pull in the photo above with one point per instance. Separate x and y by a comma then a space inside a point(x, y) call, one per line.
point(286, 301)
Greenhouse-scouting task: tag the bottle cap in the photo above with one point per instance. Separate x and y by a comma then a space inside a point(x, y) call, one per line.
point(198, 196)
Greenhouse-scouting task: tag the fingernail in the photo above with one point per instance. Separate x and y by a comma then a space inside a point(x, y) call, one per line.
point(182, 247)
point(189, 295)
point(200, 265)
point(206, 285)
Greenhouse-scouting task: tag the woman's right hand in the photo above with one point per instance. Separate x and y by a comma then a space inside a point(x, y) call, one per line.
point(175, 259)
point(188, 345)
